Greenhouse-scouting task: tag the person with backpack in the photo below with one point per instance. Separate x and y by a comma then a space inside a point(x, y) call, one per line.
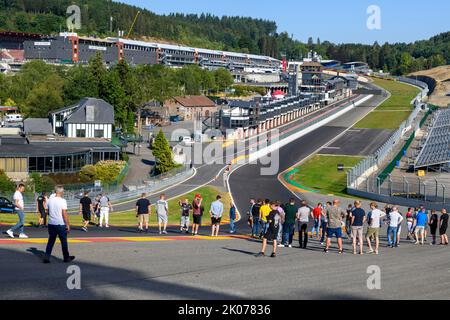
point(196, 213)
point(273, 222)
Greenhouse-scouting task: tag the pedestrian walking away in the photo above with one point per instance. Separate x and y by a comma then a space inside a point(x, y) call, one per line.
point(143, 210)
point(19, 209)
point(216, 212)
point(317, 215)
point(273, 222)
point(58, 225)
point(105, 208)
point(186, 208)
point(280, 228)
point(324, 223)
point(303, 215)
point(86, 209)
point(162, 211)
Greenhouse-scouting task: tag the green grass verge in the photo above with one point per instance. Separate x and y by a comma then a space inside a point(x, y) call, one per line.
point(129, 218)
point(320, 173)
point(391, 113)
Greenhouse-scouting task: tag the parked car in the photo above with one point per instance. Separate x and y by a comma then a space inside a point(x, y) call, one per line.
point(12, 118)
point(186, 141)
point(6, 206)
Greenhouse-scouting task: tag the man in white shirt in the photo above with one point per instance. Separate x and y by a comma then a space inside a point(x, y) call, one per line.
point(162, 211)
point(216, 212)
point(20, 210)
point(395, 218)
point(105, 209)
point(373, 231)
point(58, 225)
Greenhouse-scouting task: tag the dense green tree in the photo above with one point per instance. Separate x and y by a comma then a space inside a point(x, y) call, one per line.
point(223, 79)
point(6, 184)
point(162, 153)
point(45, 97)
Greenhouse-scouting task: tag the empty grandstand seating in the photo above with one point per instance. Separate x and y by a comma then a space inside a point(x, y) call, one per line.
point(436, 150)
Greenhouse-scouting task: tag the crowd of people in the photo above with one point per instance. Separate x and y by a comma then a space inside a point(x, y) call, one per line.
point(276, 222)
point(271, 221)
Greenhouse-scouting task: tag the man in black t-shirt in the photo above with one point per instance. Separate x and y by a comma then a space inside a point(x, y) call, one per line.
point(273, 222)
point(255, 217)
point(86, 209)
point(42, 209)
point(143, 207)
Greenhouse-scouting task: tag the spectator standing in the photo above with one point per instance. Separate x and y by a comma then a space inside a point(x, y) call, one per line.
point(357, 223)
point(324, 223)
point(443, 225)
point(216, 212)
point(317, 214)
point(303, 218)
point(162, 211)
point(58, 225)
point(395, 219)
point(373, 231)
point(263, 213)
point(290, 210)
point(232, 218)
point(335, 216)
point(410, 223)
point(19, 209)
point(280, 228)
point(421, 222)
point(348, 221)
point(197, 213)
point(434, 221)
point(255, 217)
point(186, 208)
point(143, 209)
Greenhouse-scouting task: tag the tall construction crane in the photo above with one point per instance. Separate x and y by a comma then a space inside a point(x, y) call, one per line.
point(132, 25)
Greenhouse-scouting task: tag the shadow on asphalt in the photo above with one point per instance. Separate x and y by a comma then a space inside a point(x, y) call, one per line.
point(23, 275)
point(250, 253)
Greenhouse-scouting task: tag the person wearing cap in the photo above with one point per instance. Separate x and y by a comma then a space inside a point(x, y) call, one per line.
point(196, 213)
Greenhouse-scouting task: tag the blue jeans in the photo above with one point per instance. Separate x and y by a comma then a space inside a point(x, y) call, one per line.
point(19, 226)
point(264, 227)
point(280, 234)
point(288, 233)
point(324, 227)
point(393, 231)
point(316, 227)
point(255, 229)
point(232, 225)
point(60, 232)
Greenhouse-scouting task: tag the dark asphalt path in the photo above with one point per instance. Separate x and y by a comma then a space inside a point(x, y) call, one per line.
point(247, 182)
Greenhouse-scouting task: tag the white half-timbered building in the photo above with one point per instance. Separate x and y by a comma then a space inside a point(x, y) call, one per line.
point(90, 118)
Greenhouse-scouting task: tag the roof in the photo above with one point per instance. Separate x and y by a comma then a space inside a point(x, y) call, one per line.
point(311, 64)
point(195, 101)
point(103, 112)
point(37, 149)
point(37, 126)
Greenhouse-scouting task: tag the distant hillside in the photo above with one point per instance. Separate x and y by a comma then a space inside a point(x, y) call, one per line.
point(241, 34)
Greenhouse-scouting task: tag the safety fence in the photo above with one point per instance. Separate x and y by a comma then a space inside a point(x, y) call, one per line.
point(363, 180)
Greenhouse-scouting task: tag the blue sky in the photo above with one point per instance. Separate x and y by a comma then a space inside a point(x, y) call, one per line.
point(336, 21)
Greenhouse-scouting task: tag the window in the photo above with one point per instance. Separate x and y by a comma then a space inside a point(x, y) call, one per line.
point(99, 133)
point(81, 133)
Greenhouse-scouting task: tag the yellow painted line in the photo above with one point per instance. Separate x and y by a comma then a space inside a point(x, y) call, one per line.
point(144, 239)
point(236, 160)
point(227, 144)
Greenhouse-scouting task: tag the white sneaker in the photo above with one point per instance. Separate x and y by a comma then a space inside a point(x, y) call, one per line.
point(10, 233)
point(290, 246)
point(107, 226)
point(23, 236)
point(280, 245)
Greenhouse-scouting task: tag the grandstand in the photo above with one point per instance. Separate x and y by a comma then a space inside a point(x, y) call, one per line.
point(435, 153)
